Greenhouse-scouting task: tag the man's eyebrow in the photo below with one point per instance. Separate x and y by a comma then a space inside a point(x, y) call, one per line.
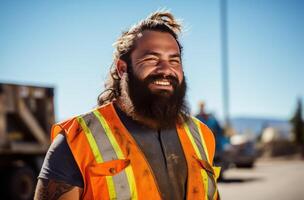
point(149, 52)
point(175, 55)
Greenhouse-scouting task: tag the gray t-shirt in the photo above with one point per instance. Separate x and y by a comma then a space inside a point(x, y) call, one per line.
point(161, 148)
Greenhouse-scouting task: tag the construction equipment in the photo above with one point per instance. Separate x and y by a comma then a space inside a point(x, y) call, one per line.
point(26, 117)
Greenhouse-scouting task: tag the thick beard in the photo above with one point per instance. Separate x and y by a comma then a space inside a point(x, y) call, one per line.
point(165, 108)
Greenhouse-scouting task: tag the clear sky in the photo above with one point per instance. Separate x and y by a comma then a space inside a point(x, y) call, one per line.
point(68, 45)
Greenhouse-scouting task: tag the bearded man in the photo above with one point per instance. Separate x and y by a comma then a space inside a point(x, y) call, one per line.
point(141, 142)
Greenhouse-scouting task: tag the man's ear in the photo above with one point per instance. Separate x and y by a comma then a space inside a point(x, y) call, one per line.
point(121, 67)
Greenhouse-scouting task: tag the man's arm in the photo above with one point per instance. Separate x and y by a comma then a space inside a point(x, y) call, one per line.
point(58, 179)
point(56, 190)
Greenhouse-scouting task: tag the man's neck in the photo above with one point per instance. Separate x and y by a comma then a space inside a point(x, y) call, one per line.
point(129, 110)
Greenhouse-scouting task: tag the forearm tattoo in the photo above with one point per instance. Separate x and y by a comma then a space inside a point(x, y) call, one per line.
point(51, 189)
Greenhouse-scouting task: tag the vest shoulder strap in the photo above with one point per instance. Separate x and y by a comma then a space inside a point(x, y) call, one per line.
point(202, 139)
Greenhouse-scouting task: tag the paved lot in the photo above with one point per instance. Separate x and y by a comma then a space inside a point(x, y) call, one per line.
point(269, 180)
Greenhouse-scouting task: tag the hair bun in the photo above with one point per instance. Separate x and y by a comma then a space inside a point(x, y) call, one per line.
point(165, 17)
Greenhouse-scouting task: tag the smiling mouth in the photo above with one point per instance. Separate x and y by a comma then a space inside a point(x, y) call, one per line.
point(163, 82)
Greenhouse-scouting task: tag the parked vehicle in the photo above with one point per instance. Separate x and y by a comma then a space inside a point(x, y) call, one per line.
point(224, 153)
point(26, 116)
point(244, 150)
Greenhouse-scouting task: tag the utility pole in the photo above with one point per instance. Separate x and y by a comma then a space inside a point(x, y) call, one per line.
point(224, 56)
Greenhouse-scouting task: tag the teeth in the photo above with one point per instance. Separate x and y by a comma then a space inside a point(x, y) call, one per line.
point(165, 83)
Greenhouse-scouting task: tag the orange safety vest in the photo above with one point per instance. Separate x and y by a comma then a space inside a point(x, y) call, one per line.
point(113, 166)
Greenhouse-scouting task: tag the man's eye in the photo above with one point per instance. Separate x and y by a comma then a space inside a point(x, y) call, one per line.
point(151, 60)
point(175, 61)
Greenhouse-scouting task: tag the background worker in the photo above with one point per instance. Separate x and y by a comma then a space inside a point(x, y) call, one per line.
point(210, 120)
point(223, 154)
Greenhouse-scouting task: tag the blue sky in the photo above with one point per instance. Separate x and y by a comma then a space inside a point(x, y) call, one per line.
point(68, 45)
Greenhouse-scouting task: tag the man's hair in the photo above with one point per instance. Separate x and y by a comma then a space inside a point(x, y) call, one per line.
point(162, 21)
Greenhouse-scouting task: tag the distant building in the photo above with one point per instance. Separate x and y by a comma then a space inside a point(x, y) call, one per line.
point(256, 126)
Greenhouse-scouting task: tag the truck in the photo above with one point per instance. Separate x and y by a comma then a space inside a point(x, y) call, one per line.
point(26, 117)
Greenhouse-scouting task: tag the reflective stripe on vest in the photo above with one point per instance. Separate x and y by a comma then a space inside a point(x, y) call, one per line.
point(193, 130)
point(105, 148)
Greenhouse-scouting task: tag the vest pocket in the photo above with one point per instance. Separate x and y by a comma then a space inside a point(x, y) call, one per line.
point(108, 180)
point(109, 168)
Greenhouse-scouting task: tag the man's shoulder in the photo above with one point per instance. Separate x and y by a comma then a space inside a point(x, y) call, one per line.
point(100, 109)
point(205, 130)
point(197, 121)
point(208, 136)
point(73, 123)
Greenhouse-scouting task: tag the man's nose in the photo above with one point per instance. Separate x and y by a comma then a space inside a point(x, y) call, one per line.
point(164, 68)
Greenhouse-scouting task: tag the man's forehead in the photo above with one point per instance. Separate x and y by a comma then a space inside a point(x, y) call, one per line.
point(153, 33)
point(150, 39)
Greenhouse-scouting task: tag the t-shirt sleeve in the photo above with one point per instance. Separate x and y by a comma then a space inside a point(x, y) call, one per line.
point(59, 163)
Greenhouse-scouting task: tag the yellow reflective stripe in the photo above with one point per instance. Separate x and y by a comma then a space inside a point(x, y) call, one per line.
point(131, 180)
point(197, 122)
point(111, 187)
point(217, 172)
point(205, 182)
point(192, 141)
point(118, 151)
point(97, 155)
point(91, 140)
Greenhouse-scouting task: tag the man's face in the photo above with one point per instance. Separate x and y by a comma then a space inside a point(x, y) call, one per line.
point(156, 83)
point(156, 60)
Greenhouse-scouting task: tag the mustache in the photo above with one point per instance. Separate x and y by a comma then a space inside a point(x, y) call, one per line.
point(151, 78)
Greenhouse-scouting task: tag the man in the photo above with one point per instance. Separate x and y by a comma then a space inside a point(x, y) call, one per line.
point(141, 142)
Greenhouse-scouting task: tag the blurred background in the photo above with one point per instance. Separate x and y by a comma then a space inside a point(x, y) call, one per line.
point(243, 61)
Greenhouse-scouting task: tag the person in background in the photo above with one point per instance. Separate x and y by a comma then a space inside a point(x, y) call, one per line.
point(140, 142)
point(210, 120)
point(223, 154)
